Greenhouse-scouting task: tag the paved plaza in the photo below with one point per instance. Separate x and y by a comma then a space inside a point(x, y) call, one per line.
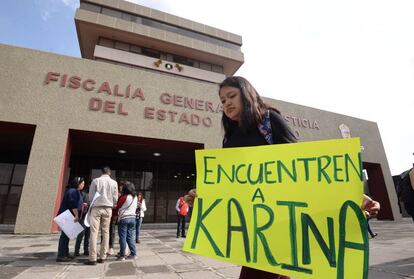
point(160, 256)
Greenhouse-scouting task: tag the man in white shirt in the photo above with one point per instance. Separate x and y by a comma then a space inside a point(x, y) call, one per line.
point(100, 213)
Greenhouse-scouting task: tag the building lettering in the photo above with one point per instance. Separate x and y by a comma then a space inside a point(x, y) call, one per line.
point(298, 122)
point(105, 88)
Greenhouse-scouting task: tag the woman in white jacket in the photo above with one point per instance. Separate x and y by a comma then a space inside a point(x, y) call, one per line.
point(141, 208)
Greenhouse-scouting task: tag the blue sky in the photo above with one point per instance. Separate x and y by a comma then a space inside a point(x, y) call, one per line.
point(351, 57)
point(40, 24)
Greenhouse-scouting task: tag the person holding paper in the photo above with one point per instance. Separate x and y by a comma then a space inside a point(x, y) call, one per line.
point(100, 213)
point(73, 201)
point(248, 121)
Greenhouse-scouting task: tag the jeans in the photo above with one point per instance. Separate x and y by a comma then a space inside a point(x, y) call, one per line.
point(126, 231)
point(63, 247)
point(181, 225)
point(85, 233)
point(138, 223)
point(111, 234)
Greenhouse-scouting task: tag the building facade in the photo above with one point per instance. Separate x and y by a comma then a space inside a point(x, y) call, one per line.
point(141, 100)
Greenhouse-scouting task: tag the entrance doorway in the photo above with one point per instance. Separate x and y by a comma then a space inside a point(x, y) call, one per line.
point(162, 170)
point(15, 145)
point(378, 190)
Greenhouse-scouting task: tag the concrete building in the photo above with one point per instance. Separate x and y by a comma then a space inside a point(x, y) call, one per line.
point(141, 100)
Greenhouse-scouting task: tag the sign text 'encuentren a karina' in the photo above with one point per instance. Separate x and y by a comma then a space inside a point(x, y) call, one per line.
point(290, 209)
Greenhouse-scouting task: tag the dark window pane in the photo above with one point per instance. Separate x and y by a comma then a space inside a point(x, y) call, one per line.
point(90, 7)
point(14, 196)
point(151, 53)
point(10, 214)
point(183, 60)
point(149, 202)
point(218, 69)
point(148, 181)
point(135, 49)
point(106, 42)
point(161, 206)
point(5, 173)
point(205, 66)
point(111, 12)
point(4, 189)
point(126, 16)
point(19, 174)
point(122, 46)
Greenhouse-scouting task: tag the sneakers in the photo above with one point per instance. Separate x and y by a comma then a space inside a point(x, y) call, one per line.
point(101, 260)
point(88, 262)
point(111, 251)
point(120, 258)
point(132, 257)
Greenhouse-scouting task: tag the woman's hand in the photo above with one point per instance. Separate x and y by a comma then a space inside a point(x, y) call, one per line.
point(370, 206)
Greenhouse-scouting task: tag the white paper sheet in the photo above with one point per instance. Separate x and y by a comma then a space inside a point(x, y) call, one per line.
point(86, 221)
point(66, 223)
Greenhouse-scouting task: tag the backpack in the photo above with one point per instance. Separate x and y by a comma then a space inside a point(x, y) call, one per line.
point(406, 191)
point(183, 207)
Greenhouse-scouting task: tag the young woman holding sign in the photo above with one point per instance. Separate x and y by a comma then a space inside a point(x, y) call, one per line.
point(248, 121)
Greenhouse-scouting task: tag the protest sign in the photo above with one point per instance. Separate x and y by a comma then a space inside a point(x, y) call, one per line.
point(292, 209)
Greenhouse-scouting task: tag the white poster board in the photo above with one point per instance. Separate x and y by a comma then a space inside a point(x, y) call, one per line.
point(66, 223)
point(86, 221)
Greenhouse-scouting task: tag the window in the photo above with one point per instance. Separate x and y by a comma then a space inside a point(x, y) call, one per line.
point(18, 175)
point(135, 49)
point(111, 12)
point(90, 7)
point(11, 186)
point(126, 16)
point(106, 42)
point(205, 66)
point(122, 46)
point(183, 60)
point(151, 53)
point(218, 69)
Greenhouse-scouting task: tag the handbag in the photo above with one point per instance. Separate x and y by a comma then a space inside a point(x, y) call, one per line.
point(119, 211)
point(138, 212)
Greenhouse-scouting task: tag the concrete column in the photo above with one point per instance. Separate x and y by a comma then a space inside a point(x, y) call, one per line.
point(44, 180)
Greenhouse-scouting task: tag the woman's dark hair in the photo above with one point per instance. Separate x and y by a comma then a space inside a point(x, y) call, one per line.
point(129, 189)
point(75, 182)
point(142, 196)
point(253, 107)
